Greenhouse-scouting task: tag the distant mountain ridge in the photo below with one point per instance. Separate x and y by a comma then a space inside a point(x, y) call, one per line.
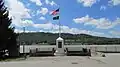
point(50, 38)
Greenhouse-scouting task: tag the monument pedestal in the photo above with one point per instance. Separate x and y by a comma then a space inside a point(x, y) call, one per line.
point(59, 47)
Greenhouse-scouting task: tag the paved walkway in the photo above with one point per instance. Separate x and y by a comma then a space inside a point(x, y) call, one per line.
point(66, 61)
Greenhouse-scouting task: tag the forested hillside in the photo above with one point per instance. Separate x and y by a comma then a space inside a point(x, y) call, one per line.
point(50, 38)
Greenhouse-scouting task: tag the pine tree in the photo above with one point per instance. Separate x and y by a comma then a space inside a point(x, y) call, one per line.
point(7, 35)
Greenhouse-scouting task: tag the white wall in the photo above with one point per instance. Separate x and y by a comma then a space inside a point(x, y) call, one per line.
point(113, 48)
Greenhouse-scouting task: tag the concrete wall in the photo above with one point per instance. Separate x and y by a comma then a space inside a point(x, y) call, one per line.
point(105, 48)
point(39, 47)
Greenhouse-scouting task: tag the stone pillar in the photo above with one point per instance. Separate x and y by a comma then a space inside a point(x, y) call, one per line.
point(59, 47)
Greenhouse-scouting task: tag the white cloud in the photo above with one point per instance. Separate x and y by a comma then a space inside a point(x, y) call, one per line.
point(43, 11)
point(21, 31)
point(103, 7)
point(101, 23)
point(53, 28)
point(114, 2)
point(65, 29)
point(87, 3)
point(43, 26)
point(27, 23)
point(52, 3)
point(38, 2)
point(42, 18)
point(17, 11)
point(115, 33)
point(40, 26)
point(82, 19)
point(18, 31)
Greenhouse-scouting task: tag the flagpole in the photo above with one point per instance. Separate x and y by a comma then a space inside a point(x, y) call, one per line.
point(59, 24)
point(59, 29)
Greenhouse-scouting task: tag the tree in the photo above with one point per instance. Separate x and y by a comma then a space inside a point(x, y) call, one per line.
point(7, 35)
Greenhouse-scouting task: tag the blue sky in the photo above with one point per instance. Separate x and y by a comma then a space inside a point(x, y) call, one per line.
point(94, 17)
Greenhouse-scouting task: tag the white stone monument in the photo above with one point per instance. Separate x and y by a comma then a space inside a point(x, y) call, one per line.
point(59, 47)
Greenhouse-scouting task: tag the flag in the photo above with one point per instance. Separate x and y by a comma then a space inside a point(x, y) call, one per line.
point(55, 12)
point(56, 18)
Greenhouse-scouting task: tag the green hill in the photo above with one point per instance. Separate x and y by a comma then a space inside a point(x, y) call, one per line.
point(50, 38)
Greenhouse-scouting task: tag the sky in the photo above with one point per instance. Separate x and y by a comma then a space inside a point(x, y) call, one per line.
point(93, 17)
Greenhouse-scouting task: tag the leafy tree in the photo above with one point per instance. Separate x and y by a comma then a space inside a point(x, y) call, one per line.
point(7, 35)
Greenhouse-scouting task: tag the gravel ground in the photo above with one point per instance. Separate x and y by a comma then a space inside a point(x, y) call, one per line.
point(111, 60)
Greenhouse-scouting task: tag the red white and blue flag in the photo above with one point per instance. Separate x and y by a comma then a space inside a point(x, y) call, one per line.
point(55, 12)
